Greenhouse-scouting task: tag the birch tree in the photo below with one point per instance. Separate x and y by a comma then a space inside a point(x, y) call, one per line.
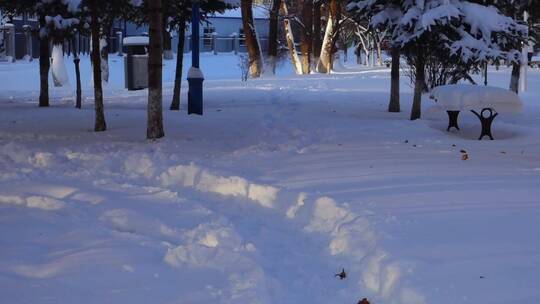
point(326, 58)
point(252, 42)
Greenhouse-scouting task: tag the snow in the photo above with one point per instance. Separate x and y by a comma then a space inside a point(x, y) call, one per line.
point(194, 72)
point(135, 40)
point(464, 97)
point(59, 22)
point(472, 32)
point(282, 183)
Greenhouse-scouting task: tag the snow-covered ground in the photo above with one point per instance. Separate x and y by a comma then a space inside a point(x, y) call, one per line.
point(281, 184)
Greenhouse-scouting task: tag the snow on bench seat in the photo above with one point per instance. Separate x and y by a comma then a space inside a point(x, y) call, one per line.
point(136, 40)
point(461, 97)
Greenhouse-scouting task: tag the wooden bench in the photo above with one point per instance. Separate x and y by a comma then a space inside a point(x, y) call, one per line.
point(483, 101)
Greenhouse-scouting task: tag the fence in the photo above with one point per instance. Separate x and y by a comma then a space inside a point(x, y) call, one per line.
point(27, 43)
point(219, 44)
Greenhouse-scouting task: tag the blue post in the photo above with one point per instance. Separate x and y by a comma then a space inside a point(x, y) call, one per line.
point(195, 76)
point(195, 34)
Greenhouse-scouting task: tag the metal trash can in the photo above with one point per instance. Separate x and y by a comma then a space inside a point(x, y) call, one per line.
point(136, 62)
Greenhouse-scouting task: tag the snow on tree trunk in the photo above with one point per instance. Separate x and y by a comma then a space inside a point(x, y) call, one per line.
point(104, 55)
point(59, 71)
point(252, 42)
point(154, 128)
point(175, 103)
point(289, 37)
point(273, 36)
point(307, 37)
point(393, 105)
point(100, 124)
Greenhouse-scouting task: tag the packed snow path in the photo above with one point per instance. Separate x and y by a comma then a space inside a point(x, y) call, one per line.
point(281, 184)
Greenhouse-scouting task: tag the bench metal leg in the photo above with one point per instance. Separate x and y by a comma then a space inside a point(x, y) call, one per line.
point(486, 120)
point(452, 120)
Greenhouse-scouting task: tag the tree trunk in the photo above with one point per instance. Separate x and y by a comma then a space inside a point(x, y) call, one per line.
point(307, 37)
point(155, 59)
point(78, 102)
point(317, 28)
point(252, 42)
point(379, 53)
point(100, 124)
point(393, 106)
point(514, 79)
point(175, 103)
point(327, 52)
point(44, 65)
point(289, 37)
point(419, 85)
point(167, 45)
point(76, 61)
point(273, 35)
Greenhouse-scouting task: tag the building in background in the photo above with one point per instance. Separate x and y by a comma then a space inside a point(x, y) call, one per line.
point(217, 33)
point(221, 32)
point(26, 25)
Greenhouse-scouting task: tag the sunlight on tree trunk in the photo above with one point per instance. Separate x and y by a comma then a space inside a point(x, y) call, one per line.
point(289, 37)
point(252, 42)
point(325, 64)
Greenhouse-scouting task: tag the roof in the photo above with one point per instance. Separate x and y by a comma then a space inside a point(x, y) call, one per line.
point(259, 12)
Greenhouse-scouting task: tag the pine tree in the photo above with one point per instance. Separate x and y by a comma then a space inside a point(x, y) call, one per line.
point(448, 37)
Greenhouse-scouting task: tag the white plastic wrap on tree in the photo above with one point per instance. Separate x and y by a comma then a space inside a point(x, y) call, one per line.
point(59, 72)
point(104, 61)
